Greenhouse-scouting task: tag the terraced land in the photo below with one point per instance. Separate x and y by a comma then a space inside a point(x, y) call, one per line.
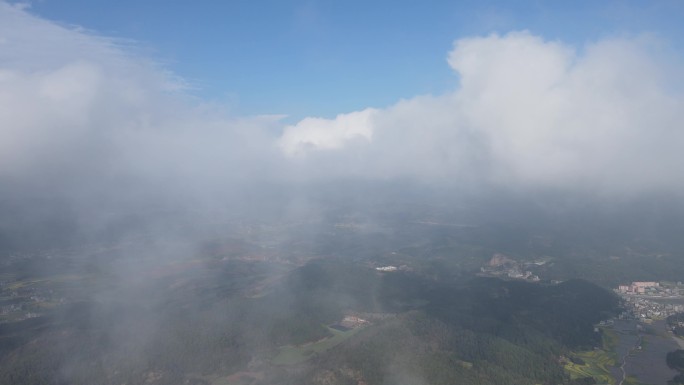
point(598, 363)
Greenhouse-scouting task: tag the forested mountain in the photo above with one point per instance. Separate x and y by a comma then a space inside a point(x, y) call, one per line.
point(421, 330)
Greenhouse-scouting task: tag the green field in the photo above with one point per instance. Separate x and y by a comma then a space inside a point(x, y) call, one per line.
point(291, 355)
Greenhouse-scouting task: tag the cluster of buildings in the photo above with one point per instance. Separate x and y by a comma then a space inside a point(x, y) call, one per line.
point(637, 287)
point(387, 268)
point(527, 275)
point(645, 309)
point(11, 308)
point(16, 312)
point(352, 322)
point(652, 300)
point(504, 267)
point(390, 268)
point(19, 301)
point(653, 289)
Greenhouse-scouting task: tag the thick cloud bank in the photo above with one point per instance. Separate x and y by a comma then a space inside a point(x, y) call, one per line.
point(83, 112)
point(95, 138)
point(85, 117)
point(528, 112)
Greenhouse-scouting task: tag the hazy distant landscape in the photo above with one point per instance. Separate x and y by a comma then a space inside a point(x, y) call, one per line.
point(341, 193)
point(343, 297)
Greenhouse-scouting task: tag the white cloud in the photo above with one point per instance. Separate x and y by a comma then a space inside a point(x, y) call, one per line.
point(528, 112)
point(83, 108)
point(325, 134)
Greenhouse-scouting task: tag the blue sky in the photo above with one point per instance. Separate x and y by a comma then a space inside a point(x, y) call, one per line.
point(320, 58)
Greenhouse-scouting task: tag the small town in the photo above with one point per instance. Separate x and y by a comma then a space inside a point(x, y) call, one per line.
point(649, 301)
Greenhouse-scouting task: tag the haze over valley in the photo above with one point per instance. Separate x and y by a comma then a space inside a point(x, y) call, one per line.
point(312, 192)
